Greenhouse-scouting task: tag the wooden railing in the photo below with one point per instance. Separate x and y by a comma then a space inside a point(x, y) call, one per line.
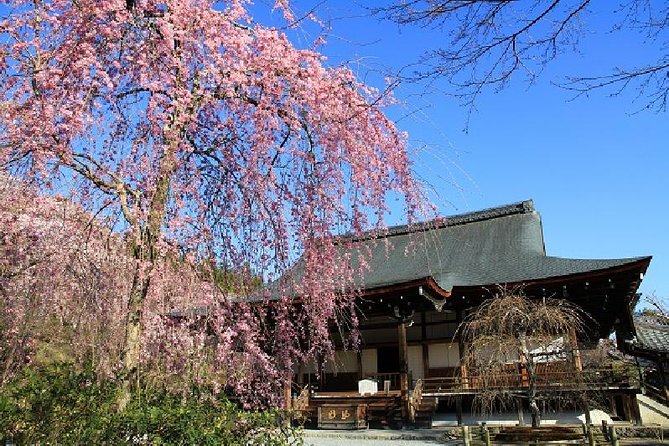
point(415, 400)
point(394, 379)
point(556, 380)
point(655, 386)
point(301, 403)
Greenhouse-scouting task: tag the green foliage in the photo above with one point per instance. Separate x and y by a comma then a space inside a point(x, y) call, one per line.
point(52, 404)
point(59, 405)
point(239, 281)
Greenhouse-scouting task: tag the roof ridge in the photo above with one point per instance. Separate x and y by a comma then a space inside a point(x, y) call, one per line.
point(648, 323)
point(520, 207)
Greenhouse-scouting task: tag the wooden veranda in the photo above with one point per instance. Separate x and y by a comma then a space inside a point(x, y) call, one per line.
point(391, 407)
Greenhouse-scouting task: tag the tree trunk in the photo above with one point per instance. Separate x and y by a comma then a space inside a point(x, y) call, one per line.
point(536, 413)
point(144, 251)
point(532, 393)
point(532, 386)
point(133, 333)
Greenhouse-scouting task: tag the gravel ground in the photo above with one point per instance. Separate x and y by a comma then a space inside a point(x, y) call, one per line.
point(374, 438)
point(411, 438)
point(367, 442)
point(345, 441)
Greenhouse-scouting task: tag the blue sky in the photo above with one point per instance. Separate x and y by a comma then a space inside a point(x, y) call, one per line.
point(596, 170)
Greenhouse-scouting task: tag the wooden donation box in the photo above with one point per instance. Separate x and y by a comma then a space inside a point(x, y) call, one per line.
point(342, 416)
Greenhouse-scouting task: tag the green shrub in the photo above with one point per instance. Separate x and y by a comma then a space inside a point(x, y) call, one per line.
point(54, 404)
point(58, 405)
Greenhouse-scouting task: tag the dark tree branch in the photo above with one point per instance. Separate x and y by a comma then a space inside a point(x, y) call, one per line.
point(488, 42)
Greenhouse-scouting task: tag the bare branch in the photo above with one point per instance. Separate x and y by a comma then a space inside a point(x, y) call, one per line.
point(510, 336)
point(489, 42)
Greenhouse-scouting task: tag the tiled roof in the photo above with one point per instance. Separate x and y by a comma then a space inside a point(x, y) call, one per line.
point(495, 246)
point(651, 336)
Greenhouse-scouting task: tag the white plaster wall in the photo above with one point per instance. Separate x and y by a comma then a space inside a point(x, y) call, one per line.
point(369, 361)
point(415, 359)
point(343, 362)
point(443, 354)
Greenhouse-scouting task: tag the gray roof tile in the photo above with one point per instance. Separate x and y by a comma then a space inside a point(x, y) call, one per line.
point(494, 246)
point(652, 336)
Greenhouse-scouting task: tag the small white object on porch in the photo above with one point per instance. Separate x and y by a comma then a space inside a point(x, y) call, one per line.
point(368, 386)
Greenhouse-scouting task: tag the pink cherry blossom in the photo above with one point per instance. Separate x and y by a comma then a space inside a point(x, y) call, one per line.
point(201, 132)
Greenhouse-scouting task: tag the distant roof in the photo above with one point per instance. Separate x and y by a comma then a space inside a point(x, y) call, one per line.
point(651, 336)
point(501, 245)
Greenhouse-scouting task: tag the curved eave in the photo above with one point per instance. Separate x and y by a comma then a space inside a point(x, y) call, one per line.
point(642, 352)
point(427, 282)
point(640, 265)
point(607, 294)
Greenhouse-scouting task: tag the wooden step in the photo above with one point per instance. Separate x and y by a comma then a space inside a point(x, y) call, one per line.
point(425, 412)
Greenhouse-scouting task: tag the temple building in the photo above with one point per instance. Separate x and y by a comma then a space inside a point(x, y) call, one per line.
point(650, 343)
point(422, 281)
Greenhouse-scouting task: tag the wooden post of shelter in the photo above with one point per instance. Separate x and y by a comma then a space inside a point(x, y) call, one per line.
point(613, 409)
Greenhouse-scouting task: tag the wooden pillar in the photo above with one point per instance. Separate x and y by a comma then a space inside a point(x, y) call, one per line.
point(426, 361)
point(521, 414)
point(404, 369)
point(300, 376)
point(613, 410)
point(458, 409)
point(660, 366)
point(586, 409)
point(635, 409)
point(466, 440)
point(578, 366)
point(631, 406)
point(461, 352)
point(423, 336)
